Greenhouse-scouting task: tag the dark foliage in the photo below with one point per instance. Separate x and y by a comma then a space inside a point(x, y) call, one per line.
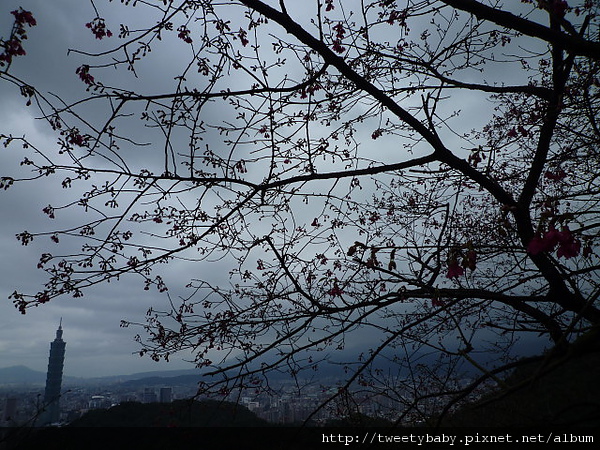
point(180, 413)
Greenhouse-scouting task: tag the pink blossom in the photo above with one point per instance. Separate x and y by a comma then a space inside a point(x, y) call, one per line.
point(569, 249)
point(84, 74)
point(22, 16)
point(523, 131)
point(569, 246)
point(470, 261)
point(340, 31)
point(454, 270)
point(557, 175)
point(435, 302)
point(184, 34)
point(335, 291)
point(98, 28)
point(13, 46)
point(536, 245)
point(338, 47)
point(552, 238)
point(242, 34)
point(397, 15)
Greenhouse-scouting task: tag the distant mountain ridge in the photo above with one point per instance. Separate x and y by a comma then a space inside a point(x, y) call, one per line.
point(21, 375)
point(151, 374)
point(16, 375)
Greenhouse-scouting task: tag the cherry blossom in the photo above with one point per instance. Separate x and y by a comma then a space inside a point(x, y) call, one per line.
point(84, 74)
point(98, 28)
point(13, 46)
point(568, 245)
point(454, 270)
point(556, 175)
point(335, 291)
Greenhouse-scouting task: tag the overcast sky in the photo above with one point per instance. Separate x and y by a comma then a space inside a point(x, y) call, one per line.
point(96, 345)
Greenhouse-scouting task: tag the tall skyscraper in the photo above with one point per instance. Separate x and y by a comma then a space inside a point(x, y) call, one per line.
point(54, 379)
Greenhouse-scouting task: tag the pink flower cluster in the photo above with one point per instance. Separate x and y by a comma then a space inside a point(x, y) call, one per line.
point(557, 175)
point(23, 17)
point(377, 133)
point(456, 269)
point(184, 34)
point(340, 33)
point(77, 139)
point(84, 74)
point(568, 245)
point(512, 133)
point(98, 27)
point(335, 291)
point(399, 16)
point(437, 302)
point(13, 47)
point(243, 36)
point(73, 137)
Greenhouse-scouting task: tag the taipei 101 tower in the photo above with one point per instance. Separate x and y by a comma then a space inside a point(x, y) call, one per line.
point(54, 379)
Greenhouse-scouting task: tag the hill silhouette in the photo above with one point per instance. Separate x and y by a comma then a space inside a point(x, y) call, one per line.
point(180, 413)
point(181, 424)
point(552, 391)
point(21, 375)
